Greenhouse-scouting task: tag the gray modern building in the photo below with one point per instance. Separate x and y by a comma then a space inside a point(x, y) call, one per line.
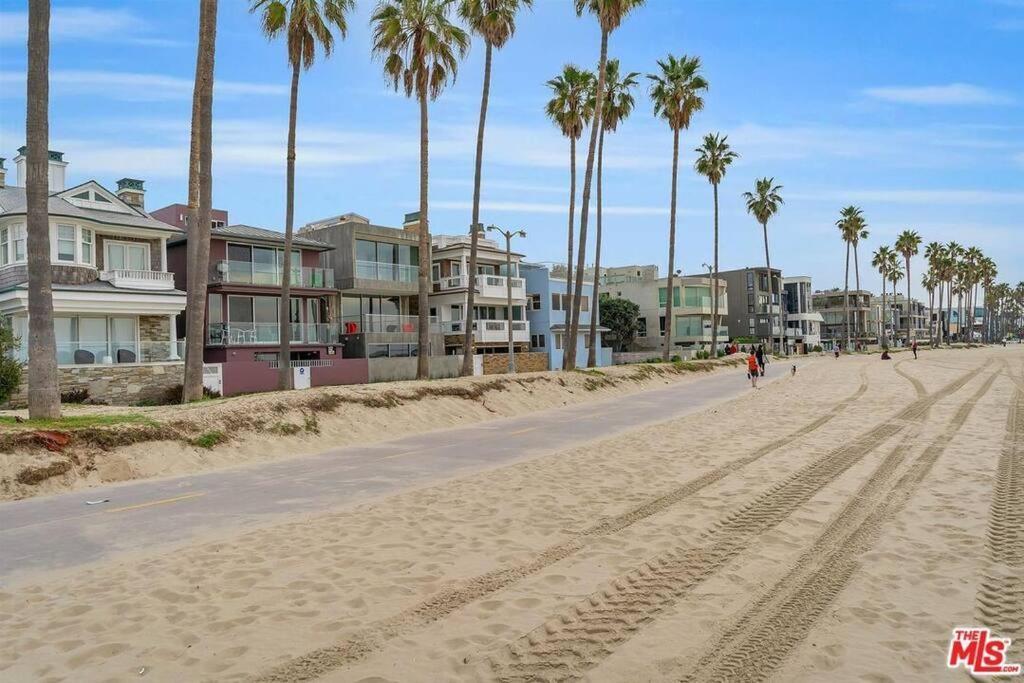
point(753, 306)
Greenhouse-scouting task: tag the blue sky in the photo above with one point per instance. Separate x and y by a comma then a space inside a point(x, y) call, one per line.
point(910, 109)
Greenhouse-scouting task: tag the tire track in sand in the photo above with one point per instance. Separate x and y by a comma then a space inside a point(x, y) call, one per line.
point(1000, 600)
point(762, 637)
point(918, 386)
point(363, 643)
point(577, 639)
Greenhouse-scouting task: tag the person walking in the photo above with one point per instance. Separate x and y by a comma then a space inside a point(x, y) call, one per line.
point(752, 367)
point(760, 358)
point(913, 347)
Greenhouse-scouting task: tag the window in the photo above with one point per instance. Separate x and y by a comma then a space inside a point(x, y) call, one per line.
point(87, 246)
point(4, 245)
point(127, 256)
point(584, 303)
point(266, 356)
point(435, 272)
point(641, 327)
point(18, 243)
point(662, 296)
point(556, 302)
point(534, 302)
point(661, 325)
point(537, 341)
point(87, 340)
point(558, 341)
point(66, 243)
point(750, 280)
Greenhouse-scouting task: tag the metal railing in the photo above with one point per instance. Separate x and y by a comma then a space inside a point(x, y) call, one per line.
point(243, 334)
point(393, 272)
point(384, 323)
point(268, 274)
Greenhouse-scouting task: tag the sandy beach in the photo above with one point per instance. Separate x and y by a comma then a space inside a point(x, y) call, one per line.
point(834, 525)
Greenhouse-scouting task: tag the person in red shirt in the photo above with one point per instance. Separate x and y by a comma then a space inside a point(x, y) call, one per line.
point(752, 368)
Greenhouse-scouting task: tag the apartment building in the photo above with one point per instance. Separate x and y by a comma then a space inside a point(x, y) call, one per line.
point(802, 322)
point(550, 302)
point(896, 310)
point(691, 306)
point(834, 326)
point(114, 302)
point(242, 332)
point(451, 281)
point(376, 269)
point(754, 303)
point(177, 215)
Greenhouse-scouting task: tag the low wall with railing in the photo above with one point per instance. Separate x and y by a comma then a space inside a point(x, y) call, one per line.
point(119, 385)
point(399, 369)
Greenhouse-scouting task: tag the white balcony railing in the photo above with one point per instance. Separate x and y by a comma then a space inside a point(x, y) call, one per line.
point(491, 330)
point(139, 279)
point(489, 286)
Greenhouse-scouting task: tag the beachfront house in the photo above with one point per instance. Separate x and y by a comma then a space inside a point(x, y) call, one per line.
point(834, 317)
point(802, 322)
point(115, 304)
point(755, 302)
point(549, 303)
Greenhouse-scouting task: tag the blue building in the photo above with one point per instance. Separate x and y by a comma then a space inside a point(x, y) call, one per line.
point(548, 301)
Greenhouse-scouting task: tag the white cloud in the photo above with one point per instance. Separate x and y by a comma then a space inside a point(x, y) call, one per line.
point(85, 23)
point(952, 94)
point(131, 87)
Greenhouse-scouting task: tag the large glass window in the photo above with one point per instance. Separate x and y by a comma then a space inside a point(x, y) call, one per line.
point(4, 246)
point(85, 340)
point(662, 293)
point(87, 242)
point(264, 266)
point(18, 243)
point(697, 296)
point(66, 243)
point(127, 256)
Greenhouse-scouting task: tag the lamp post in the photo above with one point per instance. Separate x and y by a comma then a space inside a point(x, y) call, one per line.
point(714, 286)
point(509, 234)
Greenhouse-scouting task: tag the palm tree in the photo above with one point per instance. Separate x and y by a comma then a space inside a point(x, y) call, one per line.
point(953, 253)
point(849, 224)
point(762, 204)
point(860, 232)
point(882, 260)
point(928, 281)
point(571, 108)
point(907, 243)
point(677, 93)
point(306, 24)
point(421, 49)
point(973, 259)
point(935, 254)
point(988, 276)
point(43, 380)
point(200, 201)
point(713, 160)
point(895, 275)
point(618, 105)
point(495, 22)
point(610, 14)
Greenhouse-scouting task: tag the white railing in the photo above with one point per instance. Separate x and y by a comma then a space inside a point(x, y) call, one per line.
point(138, 279)
point(496, 286)
point(394, 272)
point(491, 330)
point(453, 282)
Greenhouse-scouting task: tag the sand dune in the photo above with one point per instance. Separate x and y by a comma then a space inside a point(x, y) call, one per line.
point(833, 525)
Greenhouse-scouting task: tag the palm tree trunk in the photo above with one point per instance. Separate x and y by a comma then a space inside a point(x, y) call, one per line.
point(949, 312)
point(43, 380)
point(908, 300)
point(588, 175)
point(938, 320)
point(856, 271)
point(931, 323)
point(423, 357)
point(592, 334)
point(885, 336)
point(771, 286)
point(666, 354)
point(568, 261)
point(846, 295)
point(714, 280)
point(284, 377)
point(474, 240)
point(201, 181)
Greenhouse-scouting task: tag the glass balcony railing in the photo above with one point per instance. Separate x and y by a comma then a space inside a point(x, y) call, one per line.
point(243, 334)
point(393, 272)
point(267, 274)
point(383, 323)
point(113, 352)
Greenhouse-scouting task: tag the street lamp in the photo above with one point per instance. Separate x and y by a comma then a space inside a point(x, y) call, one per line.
point(509, 234)
point(714, 292)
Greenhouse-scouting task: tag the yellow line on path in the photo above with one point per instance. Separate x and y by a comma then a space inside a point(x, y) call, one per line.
point(398, 455)
point(156, 502)
point(522, 431)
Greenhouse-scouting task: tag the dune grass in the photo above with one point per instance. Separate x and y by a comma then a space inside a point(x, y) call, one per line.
point(79, 421)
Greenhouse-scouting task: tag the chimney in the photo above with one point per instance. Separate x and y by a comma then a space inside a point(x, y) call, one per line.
point(129, 191)
point(3, 174)
point(55, 172)
point(412, 222)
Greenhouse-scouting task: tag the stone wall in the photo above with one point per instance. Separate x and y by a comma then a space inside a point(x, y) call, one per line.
point(62, 275)
point(155, 328)
point(532, 361)
point(119, 385)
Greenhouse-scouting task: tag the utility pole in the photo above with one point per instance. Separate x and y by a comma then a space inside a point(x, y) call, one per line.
point(509, 234)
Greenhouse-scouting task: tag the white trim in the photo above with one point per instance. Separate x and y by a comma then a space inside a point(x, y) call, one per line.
point(92, 301)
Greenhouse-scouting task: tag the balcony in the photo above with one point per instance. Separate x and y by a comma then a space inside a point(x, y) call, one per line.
point(113, 352)
point(269, 275)
point(386, 324)
point(389, 272)
point(487, 286)
point(151, 280)
point(491, 331)
point(258, 334)
point(704, 305)
point(700, 333)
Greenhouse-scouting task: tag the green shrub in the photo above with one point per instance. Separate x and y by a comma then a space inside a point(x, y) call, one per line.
point(817, 348)
point(10, 369)
point(210, 439)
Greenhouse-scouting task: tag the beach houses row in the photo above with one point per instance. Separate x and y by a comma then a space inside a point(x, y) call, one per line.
point(120, 274)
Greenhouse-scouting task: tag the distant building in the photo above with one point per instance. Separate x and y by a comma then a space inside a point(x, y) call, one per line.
point(895, 324)
point(177, 215)
point(753, 303)
point(802, 322)
point(549, 301)
point(833, 311)
point(691, 306)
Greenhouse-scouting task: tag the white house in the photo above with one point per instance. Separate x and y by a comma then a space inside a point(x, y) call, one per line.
point(114, 300)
